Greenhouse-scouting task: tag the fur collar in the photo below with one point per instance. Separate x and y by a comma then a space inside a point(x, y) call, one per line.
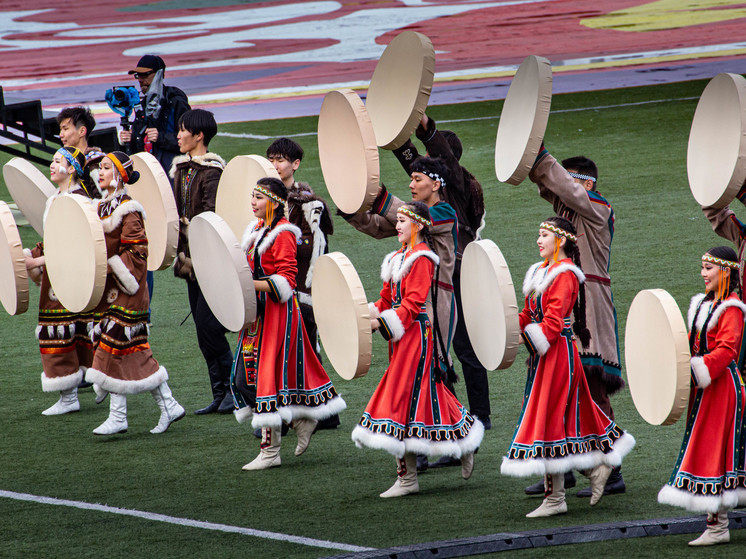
point(115, 219)
point(538, 279)
point(207, 160)
point(254, 231)
point(706, 309)
point(394, 268)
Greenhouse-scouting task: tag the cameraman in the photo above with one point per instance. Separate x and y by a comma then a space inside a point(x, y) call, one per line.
point(162, 107)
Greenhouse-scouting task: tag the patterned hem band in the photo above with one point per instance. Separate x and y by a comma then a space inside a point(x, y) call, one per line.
point(720, 262)
point(414, 217)
point(269, 194)
point(71, 159)
point(118, 164)
point(436, 177)
point(557, 231)
point(582, 177)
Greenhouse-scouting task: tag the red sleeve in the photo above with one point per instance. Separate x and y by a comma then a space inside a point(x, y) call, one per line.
point(557, 303)
point(727, 342)
point(415, 289)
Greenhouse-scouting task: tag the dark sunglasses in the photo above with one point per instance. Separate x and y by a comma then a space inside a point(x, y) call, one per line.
point(141, 75)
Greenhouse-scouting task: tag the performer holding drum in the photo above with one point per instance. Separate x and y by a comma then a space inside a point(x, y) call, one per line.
point(64, 337)
point(196, 173)
point(276, 370)
point(123, 362)
point(709, 475)
point(560, 428)
point(411, 410)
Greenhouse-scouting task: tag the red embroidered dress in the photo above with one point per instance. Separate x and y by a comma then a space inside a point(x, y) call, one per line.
point(64, 337)
point(709, 474)
point(409, 411)
point(560, 427)
point(274, 354)
point(123, 362)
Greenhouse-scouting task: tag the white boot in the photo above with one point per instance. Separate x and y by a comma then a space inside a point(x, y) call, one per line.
point(598, 477)
point(716, 532)
point(269, 455)
point(171, 410)
point(101, 394)
point(554, 497)
point(67, 403)
point(467, 465)
point(304, 429)
point(406, 481)
point(117, 420)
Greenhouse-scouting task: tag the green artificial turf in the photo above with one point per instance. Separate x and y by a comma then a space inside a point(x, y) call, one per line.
point(331, 492)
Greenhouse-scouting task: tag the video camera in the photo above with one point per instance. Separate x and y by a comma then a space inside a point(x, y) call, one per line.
point(123, 100)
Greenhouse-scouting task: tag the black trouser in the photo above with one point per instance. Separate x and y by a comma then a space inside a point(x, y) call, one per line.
point(210, 333)
point(475, 375)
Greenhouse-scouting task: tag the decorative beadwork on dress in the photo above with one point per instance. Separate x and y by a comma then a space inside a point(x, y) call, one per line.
point(185, 186)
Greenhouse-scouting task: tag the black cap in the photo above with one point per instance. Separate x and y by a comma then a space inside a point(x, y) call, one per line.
point(149, 62)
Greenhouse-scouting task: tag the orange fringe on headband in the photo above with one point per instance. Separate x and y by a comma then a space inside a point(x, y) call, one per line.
point(723, 284)
point(269, 217)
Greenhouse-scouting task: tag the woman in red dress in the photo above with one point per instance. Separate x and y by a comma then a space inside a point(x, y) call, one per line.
point(412, 412)
point(709, 474)
point(560, 427)
point(277, 376)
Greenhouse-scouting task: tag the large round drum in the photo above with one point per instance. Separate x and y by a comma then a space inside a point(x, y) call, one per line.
point(75, 253)
point(658, 358)
point(342, 316)
point(523, 120)
point(13, 276)
point(233, 201)
point(29, 189)
point(716, 156)
point(400, 88)
point(222, 271)
point(348, 151)
point(153, 191)
point(489, 305)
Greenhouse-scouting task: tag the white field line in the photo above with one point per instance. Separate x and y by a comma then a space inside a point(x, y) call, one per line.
point(183, 521)
point(476, 118)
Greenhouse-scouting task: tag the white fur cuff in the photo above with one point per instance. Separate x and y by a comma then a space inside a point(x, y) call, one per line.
point(700, 372)
point(124, 277)
point(537, 338)
point(393, 324)
point(280, 287)
point(373, 310)
point(243, 415)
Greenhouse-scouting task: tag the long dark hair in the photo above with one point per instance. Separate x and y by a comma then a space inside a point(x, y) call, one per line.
point(579, 326)
point(277, 187)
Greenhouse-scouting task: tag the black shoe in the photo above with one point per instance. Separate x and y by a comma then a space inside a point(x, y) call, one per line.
point(226, 406)
point(614, 485)
point(422, 463)
point(84, 384)
point(328, 423)
point(212, 407)
point(538, 488)
point(485, 421)
point(445, 462)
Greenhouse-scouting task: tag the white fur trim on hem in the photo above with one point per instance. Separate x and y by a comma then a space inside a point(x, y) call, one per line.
point(118, 386)
point(324, 411)
point(242, 415)
point(363, 438)
point(534, 333)
point(57, 384)
point(538, 281)
point(702, 376)
point(266, 420)
point(670, 495)
point(584, 461)
point(124, 277)
point(284, 291)
point(395, 325)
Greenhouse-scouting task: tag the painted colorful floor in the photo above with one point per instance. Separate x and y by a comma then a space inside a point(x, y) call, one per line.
point(261, 60)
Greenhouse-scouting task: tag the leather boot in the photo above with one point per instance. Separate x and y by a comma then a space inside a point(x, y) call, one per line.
point(467, 465)
point(406, 481)
point(269, 455)
point(101, 394)
point(171, 410)
point(117, 420)
point(225, 366)
point(538, 487)
point(304, 428)
point(67, 403)
point(716, 532)
point(218, 385)
point(554, 497)
point(598, 477)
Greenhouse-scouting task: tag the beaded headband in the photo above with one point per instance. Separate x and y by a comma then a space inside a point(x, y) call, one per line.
point(435, 177)
point(269, 194)
point(93, 155)
point(118, 164)
point(70, 157)
point(414, 217)
point(557, 231)
point(720, 262)
point(582, 177)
